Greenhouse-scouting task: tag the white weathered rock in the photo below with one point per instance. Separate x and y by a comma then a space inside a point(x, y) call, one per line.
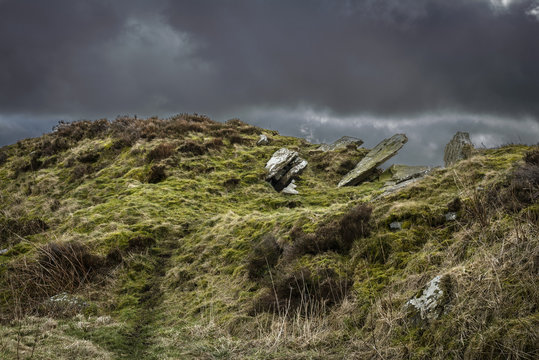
point(290, 189)
point(262, 140)
point(283, 166)
point(377, 156)
point(427, 305)
point(451, 216)
point(341, 144)
point(459, 148)
point(3, 251)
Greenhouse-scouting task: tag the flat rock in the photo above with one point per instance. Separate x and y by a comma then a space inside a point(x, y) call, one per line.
point(377, 156)
point(342, 143)
point(459, 148)
point(283, 166)
point(400, 173)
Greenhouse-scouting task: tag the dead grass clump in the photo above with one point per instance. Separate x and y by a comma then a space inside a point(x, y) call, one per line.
point(303, 288)
point(56, 268)
point(20, 227)
point(193, 148)
point(157, 174)
point(264, 256)
point(160, 152)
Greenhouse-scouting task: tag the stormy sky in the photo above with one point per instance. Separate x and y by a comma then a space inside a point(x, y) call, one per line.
point(318, 69)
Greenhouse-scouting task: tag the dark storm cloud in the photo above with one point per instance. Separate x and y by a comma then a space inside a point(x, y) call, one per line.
point(383, 62)
point(380, 57)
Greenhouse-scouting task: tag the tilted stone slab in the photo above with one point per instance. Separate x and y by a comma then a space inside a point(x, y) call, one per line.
point(377, 156)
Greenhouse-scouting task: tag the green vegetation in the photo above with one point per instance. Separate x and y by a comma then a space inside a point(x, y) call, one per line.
point(160, 239)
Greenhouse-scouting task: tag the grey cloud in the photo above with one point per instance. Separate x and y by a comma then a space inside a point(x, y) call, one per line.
point(369, 59)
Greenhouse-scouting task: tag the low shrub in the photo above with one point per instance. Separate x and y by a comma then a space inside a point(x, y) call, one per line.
point(215, 143)
point(157, 174)
point(88, 157)
point(337, 235)
point(3, 158)
point(160, 152)
point(193, 148)
point(264, 256)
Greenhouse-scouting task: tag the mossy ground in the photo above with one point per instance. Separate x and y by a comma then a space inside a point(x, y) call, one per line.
point(181, 288)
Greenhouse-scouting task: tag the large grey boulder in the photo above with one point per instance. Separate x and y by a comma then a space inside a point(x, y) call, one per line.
point(283, 167)
point(377, 156)
point(342, 143)
point(459, 148)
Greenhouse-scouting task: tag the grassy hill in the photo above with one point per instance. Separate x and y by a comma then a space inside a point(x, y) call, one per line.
point(160, 239)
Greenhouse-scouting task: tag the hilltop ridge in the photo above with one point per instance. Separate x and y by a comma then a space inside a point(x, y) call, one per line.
point(162, 238)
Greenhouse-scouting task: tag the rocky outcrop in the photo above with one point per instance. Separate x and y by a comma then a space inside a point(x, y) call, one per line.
point(377, 156)
point(342, 143)
point(459, 148)
point(262, 140)
point(283, 167)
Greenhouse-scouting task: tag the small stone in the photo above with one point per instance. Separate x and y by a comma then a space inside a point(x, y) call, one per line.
point(3, 251)
point(395, 225)
point(290, 189)
point(451, 216)
point(262, 140)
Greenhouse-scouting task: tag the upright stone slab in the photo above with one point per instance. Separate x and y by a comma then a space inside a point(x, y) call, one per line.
point(342, 143)
point(377, 156)
point(459, 148)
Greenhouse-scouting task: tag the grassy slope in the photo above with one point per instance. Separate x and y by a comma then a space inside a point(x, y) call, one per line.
point(187, 294)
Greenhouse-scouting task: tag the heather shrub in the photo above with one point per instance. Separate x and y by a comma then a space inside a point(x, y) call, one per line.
point(192, 147)
point(157, 174)
point(161, 151)
point(264, 256)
